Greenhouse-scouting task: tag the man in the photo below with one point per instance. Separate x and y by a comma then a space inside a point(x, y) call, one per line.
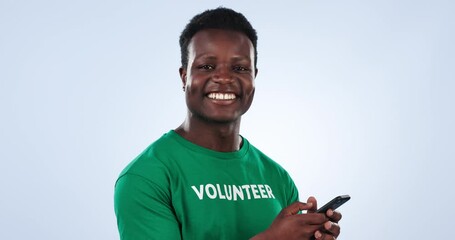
point(203, 180)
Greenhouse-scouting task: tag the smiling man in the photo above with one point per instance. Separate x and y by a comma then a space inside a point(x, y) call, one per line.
point(203, 180)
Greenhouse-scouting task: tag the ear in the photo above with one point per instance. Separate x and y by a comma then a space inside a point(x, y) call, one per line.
point(182, 72)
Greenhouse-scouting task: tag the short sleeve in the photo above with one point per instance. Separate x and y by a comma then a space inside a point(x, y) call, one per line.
point(293, 192)
point(144, 210)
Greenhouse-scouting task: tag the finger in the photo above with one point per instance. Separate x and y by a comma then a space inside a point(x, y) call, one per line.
point(295, 208)
point(315, 204)
point(318, 235)
point(311, 219)
point(332, 228)
point(308, 230)
point(334, 215)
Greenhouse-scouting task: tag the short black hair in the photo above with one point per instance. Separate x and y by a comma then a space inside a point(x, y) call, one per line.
point(219, 18)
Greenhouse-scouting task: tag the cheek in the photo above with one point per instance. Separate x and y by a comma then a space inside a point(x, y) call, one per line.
point(248, 101)
point(192, 84)
point(250, 87)
point(196, 80)
point(249, 94)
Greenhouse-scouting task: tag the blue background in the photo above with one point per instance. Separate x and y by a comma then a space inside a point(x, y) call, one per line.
point(353, 97)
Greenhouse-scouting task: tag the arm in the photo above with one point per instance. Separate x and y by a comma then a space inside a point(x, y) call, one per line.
point(144, 210)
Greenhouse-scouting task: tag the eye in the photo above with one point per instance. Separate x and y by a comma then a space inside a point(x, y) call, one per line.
point(241, 69)
point(206, 67)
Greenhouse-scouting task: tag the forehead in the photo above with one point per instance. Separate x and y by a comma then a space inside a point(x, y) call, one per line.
point(215, 40)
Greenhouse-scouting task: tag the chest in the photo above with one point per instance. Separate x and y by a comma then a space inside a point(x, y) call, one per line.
point(225, 204)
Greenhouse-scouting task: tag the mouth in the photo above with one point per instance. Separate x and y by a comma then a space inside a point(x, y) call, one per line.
point(221, 96)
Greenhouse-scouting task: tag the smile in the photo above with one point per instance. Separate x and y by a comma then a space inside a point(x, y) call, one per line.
point(221, 96)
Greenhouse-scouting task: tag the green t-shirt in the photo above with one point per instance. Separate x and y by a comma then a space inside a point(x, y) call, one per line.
point(178, 190)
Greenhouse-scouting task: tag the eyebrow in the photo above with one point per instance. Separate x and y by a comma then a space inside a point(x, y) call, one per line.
point(235, 58)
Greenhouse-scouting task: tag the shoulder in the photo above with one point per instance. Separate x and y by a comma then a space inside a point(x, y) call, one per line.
point(266, 162)
point(152, 162)
point(281, 181)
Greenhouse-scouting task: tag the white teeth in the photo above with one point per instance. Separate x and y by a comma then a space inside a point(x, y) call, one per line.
point(222, 96)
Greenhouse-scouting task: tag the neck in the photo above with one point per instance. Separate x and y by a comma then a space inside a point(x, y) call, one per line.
point(221, 137)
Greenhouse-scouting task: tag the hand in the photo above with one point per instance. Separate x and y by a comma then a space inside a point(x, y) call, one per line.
point(331, 228)
point(289, 224)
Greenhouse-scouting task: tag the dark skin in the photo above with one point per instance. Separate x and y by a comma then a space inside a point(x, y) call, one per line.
point(219, 62)
point(289, 224)
point(219, 88)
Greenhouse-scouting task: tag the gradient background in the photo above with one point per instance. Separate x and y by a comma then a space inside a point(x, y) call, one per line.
point(353, 97)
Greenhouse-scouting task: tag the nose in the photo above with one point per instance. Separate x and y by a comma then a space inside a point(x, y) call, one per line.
point(222, 74)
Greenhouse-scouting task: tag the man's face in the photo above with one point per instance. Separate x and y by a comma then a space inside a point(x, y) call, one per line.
point(219, 78)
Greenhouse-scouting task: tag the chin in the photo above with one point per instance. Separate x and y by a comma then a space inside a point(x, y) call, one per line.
point(221, 119)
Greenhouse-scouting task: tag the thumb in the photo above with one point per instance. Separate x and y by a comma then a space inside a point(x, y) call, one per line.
point(314, 204)
point(295, 208)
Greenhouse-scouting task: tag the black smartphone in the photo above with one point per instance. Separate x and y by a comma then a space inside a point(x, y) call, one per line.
point(334, 203)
